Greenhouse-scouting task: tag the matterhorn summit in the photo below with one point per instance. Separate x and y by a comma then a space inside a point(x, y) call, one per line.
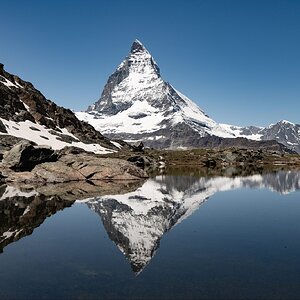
point(138, 104)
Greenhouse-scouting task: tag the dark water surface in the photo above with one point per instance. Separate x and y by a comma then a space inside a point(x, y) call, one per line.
point(174, 237)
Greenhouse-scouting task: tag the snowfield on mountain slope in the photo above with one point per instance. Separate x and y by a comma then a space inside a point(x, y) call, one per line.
point(143, 117)
point(128, 120)
point(237, 132)
point(41, 135)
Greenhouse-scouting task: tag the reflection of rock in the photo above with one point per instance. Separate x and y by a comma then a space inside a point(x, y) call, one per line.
point(82, 190)
point(25, 207)
point(22, 212)
point(136, 221)
point(283, 182)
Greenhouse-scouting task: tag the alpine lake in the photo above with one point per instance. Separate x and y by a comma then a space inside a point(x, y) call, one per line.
point(176, 235)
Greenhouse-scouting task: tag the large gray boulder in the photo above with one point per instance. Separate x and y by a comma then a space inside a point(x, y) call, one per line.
point(25, 155)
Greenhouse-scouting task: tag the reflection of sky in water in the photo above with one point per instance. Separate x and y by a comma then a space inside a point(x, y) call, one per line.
point(240, 242)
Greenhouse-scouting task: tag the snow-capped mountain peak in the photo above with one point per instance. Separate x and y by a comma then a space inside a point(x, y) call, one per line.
point(137, 46)
point(137, 103)
point(285, 122)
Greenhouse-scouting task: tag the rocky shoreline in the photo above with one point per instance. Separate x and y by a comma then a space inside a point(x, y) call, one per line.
point(26, 162)
point(208, 159)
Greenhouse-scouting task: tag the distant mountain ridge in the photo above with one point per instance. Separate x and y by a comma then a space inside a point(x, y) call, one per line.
point(284, 132)
point(138, 105)
point(26, 114)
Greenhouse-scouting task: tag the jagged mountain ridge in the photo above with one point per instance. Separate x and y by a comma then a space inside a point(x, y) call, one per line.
point(136, 221)
point(26, 113)
point(285, 132)
point(138, 105)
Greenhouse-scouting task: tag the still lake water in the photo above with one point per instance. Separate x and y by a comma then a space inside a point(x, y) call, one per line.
point(174, 237)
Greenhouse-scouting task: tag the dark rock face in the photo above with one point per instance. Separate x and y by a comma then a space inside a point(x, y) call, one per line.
point(249, 130)
point(173, 139)
point(285, 133)
point(25, 156)
point(7, 142)
point(21, 101)
point(217, 142)
point(140, 161)
point(2, 127)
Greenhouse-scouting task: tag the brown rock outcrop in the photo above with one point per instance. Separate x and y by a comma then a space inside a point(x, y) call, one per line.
point(79, 167)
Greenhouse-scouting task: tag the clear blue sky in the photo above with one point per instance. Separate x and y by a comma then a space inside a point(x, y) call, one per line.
point(239, 60)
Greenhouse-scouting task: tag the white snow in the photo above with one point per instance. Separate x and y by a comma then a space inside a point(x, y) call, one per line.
point(236, 132)
point(25, 105)
point(7, 234)
point(122, 122)
point(11, 192)
point(8, 83)
point(286, 122)
point(23, 130)
point(116, 144)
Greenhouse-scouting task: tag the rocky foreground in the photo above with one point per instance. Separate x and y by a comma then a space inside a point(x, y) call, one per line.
point(26, 162)
point(29, 163)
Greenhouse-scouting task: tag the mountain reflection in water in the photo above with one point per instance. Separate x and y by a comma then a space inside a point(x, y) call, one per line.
point(136, 221)
point(134, 214)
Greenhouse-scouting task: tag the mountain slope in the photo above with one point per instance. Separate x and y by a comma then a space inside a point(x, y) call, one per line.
point(26, 113)
point(138, 105)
